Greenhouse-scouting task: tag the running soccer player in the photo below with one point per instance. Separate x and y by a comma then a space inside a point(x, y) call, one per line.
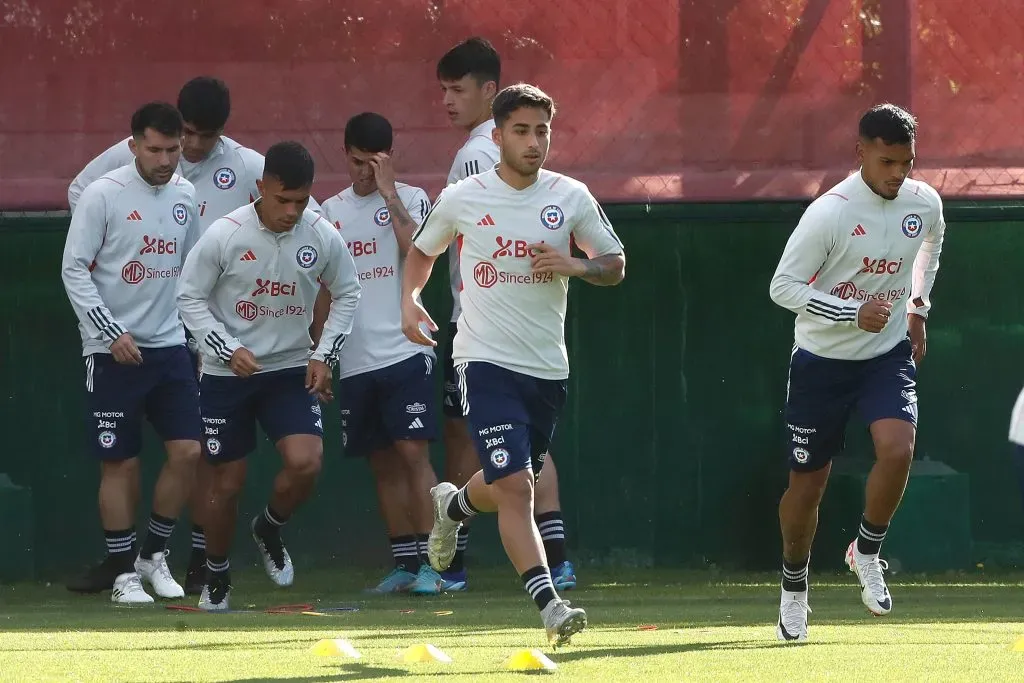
point(469, 75)
point(247, 292)
point(515, 223)
point(225, 176)
point(864, 251)
point(386, 382)
point(121, 261)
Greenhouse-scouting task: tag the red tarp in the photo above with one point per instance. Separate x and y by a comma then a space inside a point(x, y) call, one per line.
point(660, 101)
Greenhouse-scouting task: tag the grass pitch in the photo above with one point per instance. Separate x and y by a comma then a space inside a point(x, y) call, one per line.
point(708, 628)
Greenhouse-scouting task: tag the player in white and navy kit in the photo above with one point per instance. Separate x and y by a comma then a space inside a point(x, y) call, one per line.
point(121, 262)
point(1017, 437)
point(224, 174)
point(469, 74)
point(858, 271)
point(515, 224)
point(386, 382)
point(247, 292)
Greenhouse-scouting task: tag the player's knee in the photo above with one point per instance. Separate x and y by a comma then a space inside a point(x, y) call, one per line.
point(808, 488)
point(515, 490)
point(116, 469)
point(897, 452)
point(184, 454)
point(307, 464)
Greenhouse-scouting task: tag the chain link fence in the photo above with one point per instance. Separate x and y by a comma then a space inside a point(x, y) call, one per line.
point(660, 101)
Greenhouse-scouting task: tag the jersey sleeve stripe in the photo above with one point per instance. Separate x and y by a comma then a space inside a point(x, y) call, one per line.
point(219, 346)
point(830, 312)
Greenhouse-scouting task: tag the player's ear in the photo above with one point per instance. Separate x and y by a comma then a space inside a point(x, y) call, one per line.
point(259, 186)
point(133, 146)
point(490, 89)
point(496, 135)
point(860, 151)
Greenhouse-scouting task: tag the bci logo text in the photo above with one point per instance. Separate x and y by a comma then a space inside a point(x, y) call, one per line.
point(516, 248)
point(881, 266)
point(156, 245)
point(273, 288)
point(362, 248)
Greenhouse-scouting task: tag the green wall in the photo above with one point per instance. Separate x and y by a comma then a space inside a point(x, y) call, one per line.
point(671, 446)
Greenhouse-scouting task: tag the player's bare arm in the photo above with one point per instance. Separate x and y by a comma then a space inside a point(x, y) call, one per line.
point(918, 336)
point(414, 277)
point(404, 225)
point(602, 271)
point(321, 309)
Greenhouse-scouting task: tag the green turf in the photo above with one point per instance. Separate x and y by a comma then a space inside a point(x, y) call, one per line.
point(709, 628)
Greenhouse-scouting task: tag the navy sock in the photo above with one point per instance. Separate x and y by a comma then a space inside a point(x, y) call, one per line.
point(794, 575)
point(870, 537)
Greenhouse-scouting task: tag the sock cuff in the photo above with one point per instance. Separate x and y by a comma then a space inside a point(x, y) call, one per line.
point(872, 532)
point(217, 564)
point(554, 516)
point(273, 517)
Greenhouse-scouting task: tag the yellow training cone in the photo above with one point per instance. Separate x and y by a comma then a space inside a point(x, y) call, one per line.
point(424, 653)
point(1019, 645)
point(335, 647)
point(530, 660)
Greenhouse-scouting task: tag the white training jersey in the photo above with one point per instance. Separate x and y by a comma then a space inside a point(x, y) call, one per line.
point(511, 316)
point(365, 223)
point(477, 155)
point(244, 285)
point(225, 180)
point(123, 256)
point(852, 246)
point(1017, 421)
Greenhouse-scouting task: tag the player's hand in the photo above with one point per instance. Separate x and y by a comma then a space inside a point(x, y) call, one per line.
point(383, 173)
point(918, 336)
point(318, 380)
point(412, 316)
point(545, 258)
point(125, 351)
point(873, 315)
point(243, 363)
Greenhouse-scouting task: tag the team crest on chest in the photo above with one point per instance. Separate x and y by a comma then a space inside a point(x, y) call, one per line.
point(180, 214)
point(224, 178)
point(306, 256)
point(552, 217)
point(382, 217)
point(912, 225)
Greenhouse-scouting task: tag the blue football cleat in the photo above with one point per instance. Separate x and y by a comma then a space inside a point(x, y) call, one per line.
point(564, 576)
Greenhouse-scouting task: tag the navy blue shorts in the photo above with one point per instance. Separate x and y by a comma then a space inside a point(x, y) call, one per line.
point(163, 389)
point(387, 405)
point(232, 405)
point(823, 392)
point(511, 417)
point(452, 397)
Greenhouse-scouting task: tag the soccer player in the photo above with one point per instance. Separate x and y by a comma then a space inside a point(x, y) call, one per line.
point(515, 224)
point(469, 75)
point(386, 385)
point(121, 261)
point(857, 271)
point(247, 292)
point(225, 176)
point(1017, 437)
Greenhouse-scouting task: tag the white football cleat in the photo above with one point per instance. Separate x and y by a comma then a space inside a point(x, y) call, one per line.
point(128, 590)
point(793, 612)
point(284, 574)
point(215, 600)
point(157, 574)
point(562, 622)
point(444, 535)
point(873, 591)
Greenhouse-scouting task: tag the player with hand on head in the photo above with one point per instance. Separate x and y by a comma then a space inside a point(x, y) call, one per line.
point(515, 223)
point(469, 74)
point(386, 382)
point(247, 292)
point(122, 259)
point(858, 272)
